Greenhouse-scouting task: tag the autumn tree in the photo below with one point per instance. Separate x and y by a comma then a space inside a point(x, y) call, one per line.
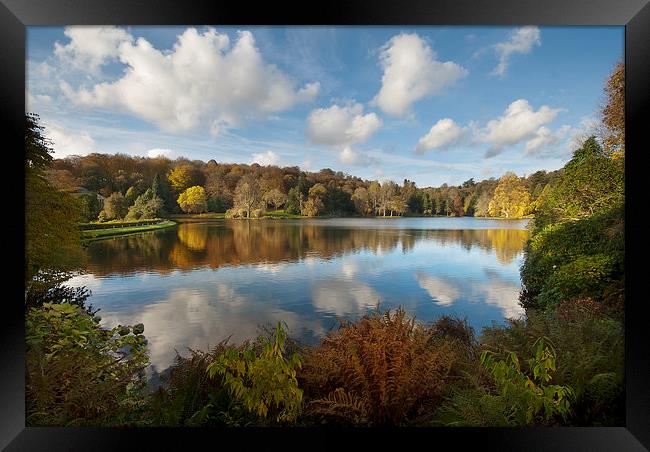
point(182, 177)
point(387, 191)
point(193, 200)
point(397, 205)
point(220, 197)
point(511, 198)
point(116, 206)
point(275, 198)
point(248, 195)
point(481, 209)
point(314, 204)
point(374, 191)
point(613, 113)
point(52, 238)
point(360, 198)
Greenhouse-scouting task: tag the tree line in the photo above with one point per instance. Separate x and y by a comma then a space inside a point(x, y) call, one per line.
point(140, 187)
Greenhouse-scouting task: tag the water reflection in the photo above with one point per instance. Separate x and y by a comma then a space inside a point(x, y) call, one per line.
point(213, 245)
point(199, 283)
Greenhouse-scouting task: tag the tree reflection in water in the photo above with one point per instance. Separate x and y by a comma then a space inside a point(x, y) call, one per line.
point(231, 242)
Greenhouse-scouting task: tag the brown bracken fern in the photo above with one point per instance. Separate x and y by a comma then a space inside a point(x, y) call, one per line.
point(383, 367)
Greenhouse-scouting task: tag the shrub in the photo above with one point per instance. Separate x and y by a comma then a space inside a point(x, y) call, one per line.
point(383, 369)
point(530, 399)
point(189, 396)
point(514, 397)
point(578, 258)
point(590, 349)
point(79, 373)
point(587, 276)
point(263, 383)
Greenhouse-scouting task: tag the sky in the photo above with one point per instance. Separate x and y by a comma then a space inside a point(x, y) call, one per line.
point(430, 104)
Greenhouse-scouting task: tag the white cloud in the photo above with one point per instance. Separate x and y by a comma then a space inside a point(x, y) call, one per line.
point(160, 152)
point(341, 125)
point(265, 158)
point(521, 41)
point(441, 291)
point(67, 143)
point(344, 297)
point(543, 139)
point(519, 122)
point(577, 135)
point(195, 320)
point(351, 156)
point(442, 134)
point(91, 47)
point(561, 142)
point(203, 81)
point(412, 72)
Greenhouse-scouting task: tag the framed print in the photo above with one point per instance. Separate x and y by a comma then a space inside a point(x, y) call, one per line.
point(385, 221)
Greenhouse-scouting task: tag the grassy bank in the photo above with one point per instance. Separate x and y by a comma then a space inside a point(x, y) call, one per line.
point(98, 234)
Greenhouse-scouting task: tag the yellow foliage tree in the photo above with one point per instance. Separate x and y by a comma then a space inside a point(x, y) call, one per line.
point(511, 198)
point(181, 178)
point(193, 200)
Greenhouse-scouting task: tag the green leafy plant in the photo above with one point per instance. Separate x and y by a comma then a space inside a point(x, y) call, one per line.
point(79, 373)
point(263, 383)
point(530, 399)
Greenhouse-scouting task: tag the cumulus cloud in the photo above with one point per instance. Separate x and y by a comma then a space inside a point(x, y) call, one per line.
point(520, 41)
point(160, 152)
point(442, 291)
point(442, 134)
point(204, 80)
point(561, 142)
point(91, 47)
point(67, 143)
point(197, 320)
point(411, 72)
point(265, 158)
point(519, 122)
point(341, 125)
point(345, 297)
point(350, 156)
point(544, 139)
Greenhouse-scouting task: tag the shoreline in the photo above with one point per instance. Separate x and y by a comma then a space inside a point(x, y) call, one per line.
point(100, 234)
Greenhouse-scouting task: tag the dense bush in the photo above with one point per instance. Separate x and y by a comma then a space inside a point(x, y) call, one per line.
point(250, 384)
point(263, 382)
point(79, 373)
point(589, 345)
point(574, 259)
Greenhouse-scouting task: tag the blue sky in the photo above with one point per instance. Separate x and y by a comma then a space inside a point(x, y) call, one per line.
point(431, 104)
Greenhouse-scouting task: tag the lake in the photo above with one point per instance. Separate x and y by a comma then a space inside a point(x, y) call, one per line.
point(202, 281)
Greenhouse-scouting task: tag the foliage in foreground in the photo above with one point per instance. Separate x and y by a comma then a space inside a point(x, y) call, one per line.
point(79, 374)
point(265, 382)
point(382, 369)
point(251, 384)
point(590, 350)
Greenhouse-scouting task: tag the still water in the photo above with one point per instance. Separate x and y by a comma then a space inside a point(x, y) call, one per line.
point(200, 282)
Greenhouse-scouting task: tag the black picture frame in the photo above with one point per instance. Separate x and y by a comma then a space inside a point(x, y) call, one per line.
point(16, 15)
